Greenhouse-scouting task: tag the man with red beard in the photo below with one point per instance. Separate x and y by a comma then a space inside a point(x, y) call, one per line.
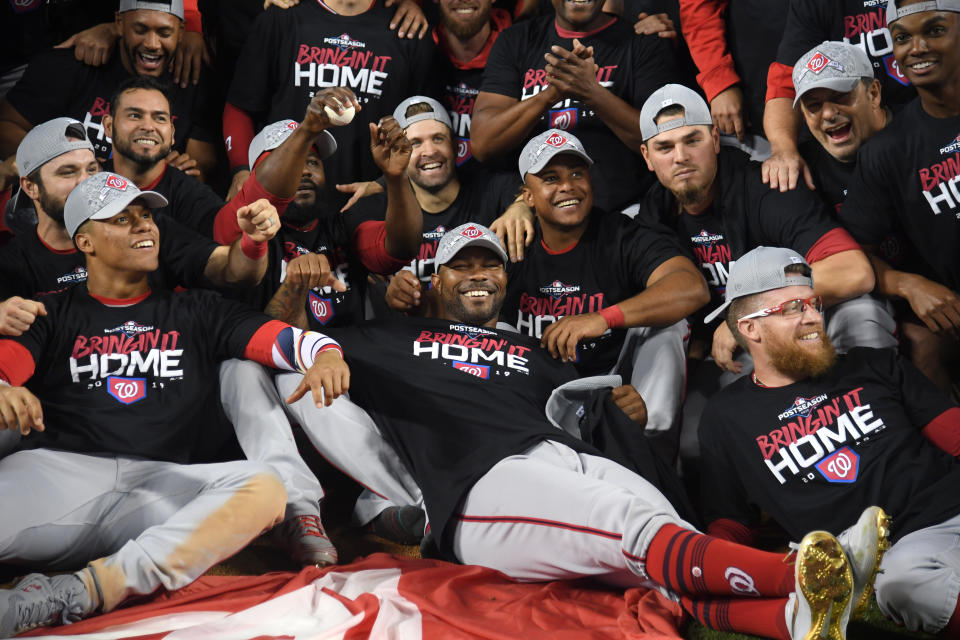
point(150, 34)
point(813, 438)
point(464, 38)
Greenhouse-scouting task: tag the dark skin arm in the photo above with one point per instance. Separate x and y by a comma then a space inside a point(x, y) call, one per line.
point(305, 272)
point(404, 221)
point(937, 306)
point(674, 290)
point(13, 128)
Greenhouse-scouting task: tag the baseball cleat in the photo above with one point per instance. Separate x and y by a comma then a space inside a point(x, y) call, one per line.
point(39, 601)
point(865, 543)
point(402, 525)
point(824, 589)
point(304, 538)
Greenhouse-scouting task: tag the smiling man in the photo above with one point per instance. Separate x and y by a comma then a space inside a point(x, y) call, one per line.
point(112, 389)
point(149, 35)
point(813, 439)
point(589, 278)
point(906, 180)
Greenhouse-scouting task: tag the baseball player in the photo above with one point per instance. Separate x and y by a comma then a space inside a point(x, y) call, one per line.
point(812, 438)
point(905, 180)
point(119, 382)
point(506, 488)
point(598, 289)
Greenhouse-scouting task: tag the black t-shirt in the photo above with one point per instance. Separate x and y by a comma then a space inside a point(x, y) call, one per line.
point(906, 180)
point(482, 198)
point(859, 22)
point(137, 380)
point(27, 27)
point(454, 400)
point(630, 66)
point(831, 176)
point(612, 262)
point(29, 268)
point(189, 201)
point(815, 453)
point(293, 53)
point(56, 85)
point(745, 214)
point(754, 31)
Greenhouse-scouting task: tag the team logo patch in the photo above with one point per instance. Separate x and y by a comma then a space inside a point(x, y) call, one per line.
point(802, 407)
point(127, 390)
point(706, 238)
point(556, 140)
point(842, 466)
point(116, 182)
point(321, 308)
point(463, 150)
point(130, 328)
point(344, 42)
point(819, 62)
point(471, 232)
point(558, 289)
point(478, 370)
point(740, 581)
point(565, 119)
point(893, 70)
point(292, 125)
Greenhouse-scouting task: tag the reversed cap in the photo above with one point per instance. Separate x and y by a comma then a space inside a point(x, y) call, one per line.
point(436, 112)
point(46, 141)
point(174, 6)
point(104, 195)
point(539, 150)
point(894, 12)
point(838, 66)
point(272, 135)
point(695, 110)
point(466, 235)
point(761, 269)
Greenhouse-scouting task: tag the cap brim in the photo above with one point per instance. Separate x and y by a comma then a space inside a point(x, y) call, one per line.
point(716, 312)
point(843, 85)
point(325, 144)
point(151, 200)
point(545, 159)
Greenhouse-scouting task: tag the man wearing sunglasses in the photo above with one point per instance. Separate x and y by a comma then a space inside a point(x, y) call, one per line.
point(813, 438)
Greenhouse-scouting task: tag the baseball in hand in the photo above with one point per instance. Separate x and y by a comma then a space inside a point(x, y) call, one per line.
point(340, 119)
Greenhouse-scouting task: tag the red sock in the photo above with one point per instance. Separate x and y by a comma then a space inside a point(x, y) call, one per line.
point(691, 563)
point(756, 617)
point(952, 630)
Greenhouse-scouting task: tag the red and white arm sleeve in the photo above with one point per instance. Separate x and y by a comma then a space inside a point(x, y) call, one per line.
point(281, 346)
point(16, 363)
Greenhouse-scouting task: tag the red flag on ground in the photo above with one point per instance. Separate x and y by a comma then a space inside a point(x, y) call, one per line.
point(384, 596)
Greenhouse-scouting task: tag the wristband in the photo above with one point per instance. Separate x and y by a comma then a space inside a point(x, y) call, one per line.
point(614, 316)
point(252, 249)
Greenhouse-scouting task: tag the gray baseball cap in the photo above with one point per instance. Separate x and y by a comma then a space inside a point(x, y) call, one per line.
point(46, 141)
point(761, 269)
point(104, 195)
point(894, 13)
point(437, 112)
point(466, 235)
point(695, 110)
point(174, 6)
point(273, 135)
point(831, 65)
point(539, 150)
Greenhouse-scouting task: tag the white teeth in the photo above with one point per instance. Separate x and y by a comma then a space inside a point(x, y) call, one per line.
point(143, 244)
point(431, 165)
point(921, 65)
point(568, 203)
point(810, 336)
point(477, 294)
point(150, 57)
point(145, 141)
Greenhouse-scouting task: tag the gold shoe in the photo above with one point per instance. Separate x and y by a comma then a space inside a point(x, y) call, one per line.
point(824, 589)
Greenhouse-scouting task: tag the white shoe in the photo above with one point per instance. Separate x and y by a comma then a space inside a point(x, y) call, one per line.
point(824, 589)
point(865, 543)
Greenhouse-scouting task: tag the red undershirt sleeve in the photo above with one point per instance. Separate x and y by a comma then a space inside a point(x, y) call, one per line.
point(944, 431)
point(4, 199)
point(225, 227)
point(702, 23)
point(780, 82)
point(260, 347)
point(237, 134)
point(191, 16)
point(369, 243)
point(16, 363)
point(832, 242)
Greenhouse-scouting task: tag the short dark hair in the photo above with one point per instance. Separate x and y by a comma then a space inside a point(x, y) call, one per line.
point(417, 108)
point(139, 82)
point(670, 110)
point(746, 305)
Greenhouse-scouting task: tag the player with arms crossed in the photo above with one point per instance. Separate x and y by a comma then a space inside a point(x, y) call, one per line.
point(120, 384)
